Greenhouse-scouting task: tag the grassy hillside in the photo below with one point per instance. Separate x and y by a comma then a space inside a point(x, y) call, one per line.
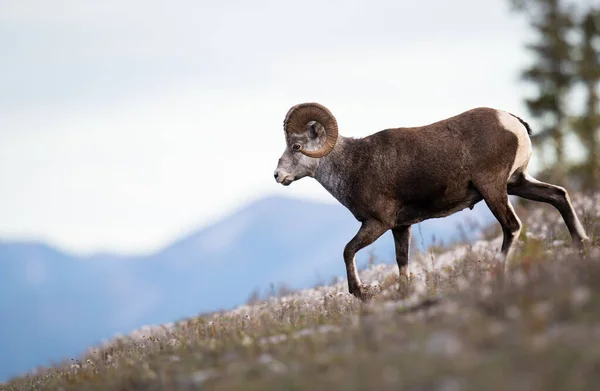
point(460, 325)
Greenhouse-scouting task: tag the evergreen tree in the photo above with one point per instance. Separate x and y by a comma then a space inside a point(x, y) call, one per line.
point(552, 72)
point(587, 125)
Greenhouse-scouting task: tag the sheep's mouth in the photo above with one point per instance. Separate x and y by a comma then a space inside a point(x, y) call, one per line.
point(286, 181)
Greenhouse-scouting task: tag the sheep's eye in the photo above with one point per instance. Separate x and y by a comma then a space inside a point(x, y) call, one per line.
point(296, 147)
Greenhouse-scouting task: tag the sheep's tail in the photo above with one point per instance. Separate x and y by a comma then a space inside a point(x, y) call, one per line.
point(529, 132)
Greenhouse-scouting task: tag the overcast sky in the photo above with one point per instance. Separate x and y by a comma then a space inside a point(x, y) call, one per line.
point(125, 124)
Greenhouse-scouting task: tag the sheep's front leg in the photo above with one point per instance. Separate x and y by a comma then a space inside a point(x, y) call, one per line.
point(369, 232)
point(402, 243)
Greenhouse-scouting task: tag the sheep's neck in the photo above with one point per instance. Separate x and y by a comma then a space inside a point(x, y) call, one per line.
point(334, 171)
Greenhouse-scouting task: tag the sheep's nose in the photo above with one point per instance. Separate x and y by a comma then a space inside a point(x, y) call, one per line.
point(276, 175)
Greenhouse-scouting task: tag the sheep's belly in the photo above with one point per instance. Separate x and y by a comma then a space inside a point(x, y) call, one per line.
point(416, 212)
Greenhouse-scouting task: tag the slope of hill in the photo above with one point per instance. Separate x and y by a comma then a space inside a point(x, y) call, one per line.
point(460, 324)
point(54, 304)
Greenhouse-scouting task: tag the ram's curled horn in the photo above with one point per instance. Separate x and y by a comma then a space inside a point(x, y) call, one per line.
point(300, 115)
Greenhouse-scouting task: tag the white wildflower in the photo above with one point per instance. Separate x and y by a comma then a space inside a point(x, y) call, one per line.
point(184, 324)
point(265, 358)
point(462, 283)
point(277, 367)
point(247, 341)
point(273, 365)
point(486, 292)
point(274, 339)
point(200, 377)
point(212, 344)
point(444, 343)
point(519, 278)
point(317, 330)
point(580, 296)
point(148, 371)
point(542, 309)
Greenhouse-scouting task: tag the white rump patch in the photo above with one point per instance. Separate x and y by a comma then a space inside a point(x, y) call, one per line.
point(512, 124)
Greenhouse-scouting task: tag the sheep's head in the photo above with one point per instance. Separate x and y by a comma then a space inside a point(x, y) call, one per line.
point(310, 133)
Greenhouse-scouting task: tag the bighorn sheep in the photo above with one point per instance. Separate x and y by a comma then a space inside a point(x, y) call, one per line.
point(398, 177)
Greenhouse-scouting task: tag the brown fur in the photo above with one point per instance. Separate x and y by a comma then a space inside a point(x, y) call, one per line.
point(398, 177)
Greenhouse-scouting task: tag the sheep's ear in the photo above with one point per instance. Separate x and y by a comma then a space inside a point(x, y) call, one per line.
point(315, 129)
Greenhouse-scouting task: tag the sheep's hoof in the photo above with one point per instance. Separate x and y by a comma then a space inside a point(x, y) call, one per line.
point(404, 285)
point(586, 241)
point(404, 274)
point(583, 246)
point(366, 292)
point(406, 279)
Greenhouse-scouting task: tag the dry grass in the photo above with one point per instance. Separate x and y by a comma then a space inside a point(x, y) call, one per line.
point(460, 325)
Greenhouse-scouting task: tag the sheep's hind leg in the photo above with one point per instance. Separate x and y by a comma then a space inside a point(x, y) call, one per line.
point(497, 200)
point(526, 186)
point(369, 232)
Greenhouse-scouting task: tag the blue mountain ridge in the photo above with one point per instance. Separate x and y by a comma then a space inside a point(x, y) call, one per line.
point(54, 304)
